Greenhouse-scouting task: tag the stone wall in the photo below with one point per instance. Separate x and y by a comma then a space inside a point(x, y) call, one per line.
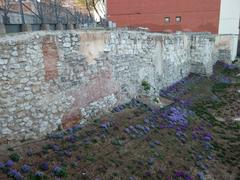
point(52, 79)
point(227, 47)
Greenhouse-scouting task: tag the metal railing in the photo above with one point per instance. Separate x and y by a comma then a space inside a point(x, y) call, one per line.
point(14, 15)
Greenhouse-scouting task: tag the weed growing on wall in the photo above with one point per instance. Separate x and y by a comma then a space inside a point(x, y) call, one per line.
point(146, 86)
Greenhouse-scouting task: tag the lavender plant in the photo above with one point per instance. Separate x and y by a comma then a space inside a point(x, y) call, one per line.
point(15, 174)
point(9, 163)
point(59, 171)
point(2, 165)
point(176, 116)
point(25, 168)
point(44, 166)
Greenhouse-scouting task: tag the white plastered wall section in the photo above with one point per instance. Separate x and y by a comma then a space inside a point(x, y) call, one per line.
point(229, 23)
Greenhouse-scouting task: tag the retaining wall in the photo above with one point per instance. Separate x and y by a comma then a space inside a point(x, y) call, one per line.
point(61, 78)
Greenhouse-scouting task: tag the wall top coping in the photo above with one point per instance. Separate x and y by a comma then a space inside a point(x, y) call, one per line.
point(28, 36)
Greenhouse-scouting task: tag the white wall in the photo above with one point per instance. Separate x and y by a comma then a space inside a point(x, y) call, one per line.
point(229, 21)
point(229, 17)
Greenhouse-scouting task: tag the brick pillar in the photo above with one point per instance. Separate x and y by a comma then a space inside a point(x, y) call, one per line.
point(45, 27)
point(50, 56)
point(26, 27)
point(2, 29)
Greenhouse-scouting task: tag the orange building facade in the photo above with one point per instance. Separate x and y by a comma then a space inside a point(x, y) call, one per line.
point(166, 15)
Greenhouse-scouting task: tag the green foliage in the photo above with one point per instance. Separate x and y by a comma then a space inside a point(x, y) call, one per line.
point(215, 104)
point(15, 157)
point(156, 100)
point(34, 177)
point(90, 158)
point(235, 126)
point(74, 164)
point(117, 142)
point(202, 112)
point(220, 87)
point(62, 173)
point(146, 85)
point(230, 72)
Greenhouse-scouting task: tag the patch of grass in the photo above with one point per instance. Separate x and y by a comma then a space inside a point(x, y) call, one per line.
point(230, 72)
point(215, 105)
point(202, 112)
point(117, 142)
point(34, 177)
point(234, 126)
point(90, 158)
point(220, 87)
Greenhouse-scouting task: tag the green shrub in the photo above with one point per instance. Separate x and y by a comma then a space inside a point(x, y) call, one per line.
point(15, 157)
point(146, 85)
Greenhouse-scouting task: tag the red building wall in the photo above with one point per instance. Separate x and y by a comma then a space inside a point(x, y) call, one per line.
point(196, 15)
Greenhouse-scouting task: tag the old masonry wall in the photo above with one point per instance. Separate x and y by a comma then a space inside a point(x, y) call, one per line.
point(49, 79)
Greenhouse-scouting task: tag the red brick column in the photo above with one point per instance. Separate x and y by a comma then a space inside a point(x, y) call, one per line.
point(50, 56)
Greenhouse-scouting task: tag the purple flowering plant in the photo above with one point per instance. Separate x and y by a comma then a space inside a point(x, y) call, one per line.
point(71, 138)
point(44, 166)
point(15, 174)
point(229, 66)
point(67, 153)
point(59, 171)
point(207, 137)
point(105, 126)
point(39, 175)
point(181, 174)
point(177, 89)
point(9, 163)
point(2, 165)
point(55, 147)
point(25, 168)
point(176, 116)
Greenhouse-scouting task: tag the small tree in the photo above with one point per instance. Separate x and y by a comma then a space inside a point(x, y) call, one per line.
point(57, 9)
point(93, 5)
point(38, 8)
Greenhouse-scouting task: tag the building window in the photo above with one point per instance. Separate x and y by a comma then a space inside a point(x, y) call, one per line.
point(178, 19)
point(167, 19)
